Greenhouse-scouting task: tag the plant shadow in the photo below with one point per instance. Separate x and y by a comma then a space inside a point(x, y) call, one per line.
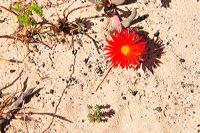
point(106, 112)
point(155, 50)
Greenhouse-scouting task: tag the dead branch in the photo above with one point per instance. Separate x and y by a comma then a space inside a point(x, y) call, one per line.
point(49, 114)
point(7, 86)
point(85, 6)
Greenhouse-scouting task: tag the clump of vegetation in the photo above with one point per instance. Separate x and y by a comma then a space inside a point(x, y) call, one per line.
point(24, 14)
point(99, 113)
point(95, 113)
point(28, 30)
point(71, 28)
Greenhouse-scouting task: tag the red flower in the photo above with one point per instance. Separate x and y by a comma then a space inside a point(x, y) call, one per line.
point(125, 49)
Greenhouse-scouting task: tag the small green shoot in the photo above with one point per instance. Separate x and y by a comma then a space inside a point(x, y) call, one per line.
point(100, 4)
point(25, 17)
point(17, 7)
point(95, 113)
point(29, 29)
point(36, 9)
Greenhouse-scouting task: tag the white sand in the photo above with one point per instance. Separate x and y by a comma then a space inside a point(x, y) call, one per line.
point(166, 101)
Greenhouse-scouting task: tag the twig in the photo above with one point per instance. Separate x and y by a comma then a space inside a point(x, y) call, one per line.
point(95, 44)
point(50, 114)
point(55, 5)
point(104, 78)
point(47, 23)
point(78, 9)
point(130, 112)
point(7, 86)
point(25, 118)
point(52, 120)
point(9, 10)
point(67, 8)
point(8, 37)
point(63, 92)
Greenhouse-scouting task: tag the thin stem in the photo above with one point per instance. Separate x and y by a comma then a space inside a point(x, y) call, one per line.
point(95, 44)
point(77, 9)
point(109, 70)
point(41, 23)
point(9, 10)
point(8, 37)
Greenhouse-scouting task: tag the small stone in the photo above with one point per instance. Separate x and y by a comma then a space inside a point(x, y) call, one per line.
point(124, 98)
point(134, 93)
point(86, 60)
point(53, 103)
point(85, 74)
point(182, 60)
point(37, 82)
point(101, 20)
point(156, 34)
point(51, 91)
point(12, 71)
point(159, 109)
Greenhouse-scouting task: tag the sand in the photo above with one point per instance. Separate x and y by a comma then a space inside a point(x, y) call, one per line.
point(163, 96)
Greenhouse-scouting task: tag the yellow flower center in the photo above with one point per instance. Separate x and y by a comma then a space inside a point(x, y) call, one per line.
point(125, 49)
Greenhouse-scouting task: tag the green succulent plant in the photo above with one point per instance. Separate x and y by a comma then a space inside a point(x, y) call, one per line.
point(95, 113)
point(25, 13)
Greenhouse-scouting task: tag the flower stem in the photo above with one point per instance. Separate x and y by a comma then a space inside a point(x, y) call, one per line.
point(109, 70)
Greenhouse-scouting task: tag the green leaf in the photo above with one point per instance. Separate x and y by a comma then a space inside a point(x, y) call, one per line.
point(33, 22)
point(17, 7)
point(24, 19)
point(2, 59)
point(99, 7)
point(156, 34)
point(27, 12)
point(36, 9)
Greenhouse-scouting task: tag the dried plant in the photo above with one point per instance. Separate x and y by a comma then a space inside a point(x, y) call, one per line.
point(28, 30)
point(65, 27)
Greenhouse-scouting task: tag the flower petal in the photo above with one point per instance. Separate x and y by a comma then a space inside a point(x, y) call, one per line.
point(125, 38)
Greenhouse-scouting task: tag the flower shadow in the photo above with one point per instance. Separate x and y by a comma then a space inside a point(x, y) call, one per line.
point(155, 49)
point(106, 112)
